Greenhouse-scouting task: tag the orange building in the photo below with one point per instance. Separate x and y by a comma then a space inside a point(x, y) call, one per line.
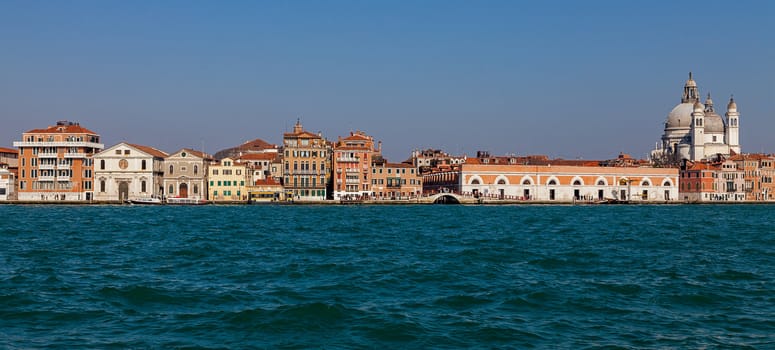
point(307, 165)
point(352, 166)
point(719, 181)
point(758, 173)
point(55, 163)
point(395, 180)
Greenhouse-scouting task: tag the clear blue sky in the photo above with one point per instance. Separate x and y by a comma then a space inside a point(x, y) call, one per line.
point(575, 79)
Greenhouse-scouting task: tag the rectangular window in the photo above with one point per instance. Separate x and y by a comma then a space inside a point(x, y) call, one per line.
point(212, 183)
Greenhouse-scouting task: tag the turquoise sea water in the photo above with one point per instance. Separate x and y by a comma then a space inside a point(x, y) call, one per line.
point(358, 277)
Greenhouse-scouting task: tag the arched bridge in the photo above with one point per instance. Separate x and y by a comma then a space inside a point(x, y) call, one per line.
point(444, 198)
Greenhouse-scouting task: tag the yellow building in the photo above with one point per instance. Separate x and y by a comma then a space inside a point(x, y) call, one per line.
point(229, 180)
point(306, 164)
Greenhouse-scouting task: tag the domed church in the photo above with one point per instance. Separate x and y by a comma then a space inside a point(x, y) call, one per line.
point(695, 131)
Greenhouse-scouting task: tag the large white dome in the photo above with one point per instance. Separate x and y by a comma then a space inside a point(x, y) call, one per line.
point(680, 116)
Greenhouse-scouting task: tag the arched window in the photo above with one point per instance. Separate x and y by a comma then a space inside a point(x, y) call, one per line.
point(196, 170)
point(102, 185)
point(552, 182)
point(645, 183)
point(172, 170)
point(666, 184)
point(526, 182)
point(196, 189)
point(600, 183)
point(102, 166)
point(475, 182)
point(576, 183)
point(142, 185)
point(501, 182)
point(171, 190)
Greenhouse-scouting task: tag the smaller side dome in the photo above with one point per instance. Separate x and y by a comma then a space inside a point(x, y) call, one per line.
point(698, 107)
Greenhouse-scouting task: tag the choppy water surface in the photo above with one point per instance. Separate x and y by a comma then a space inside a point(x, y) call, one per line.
point(387, 277)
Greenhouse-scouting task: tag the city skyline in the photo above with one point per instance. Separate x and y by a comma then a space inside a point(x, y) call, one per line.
point(562, 79)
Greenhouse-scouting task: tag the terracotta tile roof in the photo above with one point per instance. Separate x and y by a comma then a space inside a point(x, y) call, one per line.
point(257, 144)
point(150, 150)
point(398, 165)
point(357, 137)
point(194, 153)
point(8, 150)
point(258, 156)
point(63, 129)
point(302, 135)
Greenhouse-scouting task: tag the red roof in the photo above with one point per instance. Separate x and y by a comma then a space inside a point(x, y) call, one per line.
point(398, 165)
point(150, 150)
point(258, 156)
point(303, 135)
point(63, 129)
point(8, 150)
point(257, 144)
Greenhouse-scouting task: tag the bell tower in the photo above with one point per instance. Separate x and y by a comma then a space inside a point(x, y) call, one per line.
point(698, 132)
point(733, 126)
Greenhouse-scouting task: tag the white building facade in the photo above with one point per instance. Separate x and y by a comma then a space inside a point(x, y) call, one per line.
point(569, 183)
point(126, 171)
point(7, 184)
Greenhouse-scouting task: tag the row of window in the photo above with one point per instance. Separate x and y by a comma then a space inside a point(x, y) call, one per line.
point(226, 193)
point(226, 183)
point(390, 170)
point(226, 171)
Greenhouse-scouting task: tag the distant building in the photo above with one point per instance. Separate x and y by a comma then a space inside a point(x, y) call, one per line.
point(185, 174)
point(265, 165)
point(352, 157)
point(695, 131)
point(719, 181)
point(9, 157)
point(428, 159)
point(257, 146)
point(228, 180)
point(56, 163)
point(536, 178)
point(395, 180)
point(7, 183)
point(307, 164)
point(127, 171)
point(758, 173)
point(265, 190)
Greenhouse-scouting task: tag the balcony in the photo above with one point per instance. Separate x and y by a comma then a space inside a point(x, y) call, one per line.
point(351, 170)
point(59, 144)
point(64, 167)
point(75, 155)
point(47, 166)
point(347, 160)
point(63, 178)
point(352, 182)
point(47, 155)
point(46, 178)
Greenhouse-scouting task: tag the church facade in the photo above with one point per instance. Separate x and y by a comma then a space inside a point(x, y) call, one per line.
point(695, 131)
